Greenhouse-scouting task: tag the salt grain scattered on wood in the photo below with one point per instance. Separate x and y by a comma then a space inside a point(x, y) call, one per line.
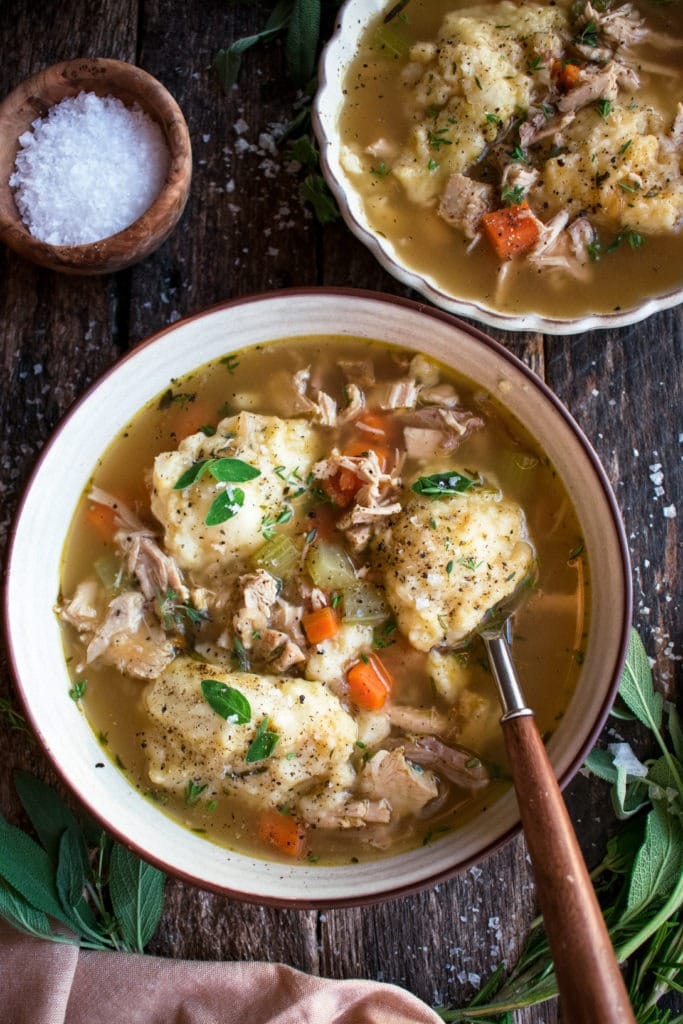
point(88, 170)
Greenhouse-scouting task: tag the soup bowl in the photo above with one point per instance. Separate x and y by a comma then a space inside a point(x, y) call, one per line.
point(36, 558)
point(415, 246)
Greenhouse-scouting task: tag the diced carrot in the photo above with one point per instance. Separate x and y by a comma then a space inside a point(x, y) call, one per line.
point(380, 427)
point(511, 230)
point(284, 832)
point(565, 74)
point(321, 624)
point(342, 487)
point(369, 683)
point(103, 520)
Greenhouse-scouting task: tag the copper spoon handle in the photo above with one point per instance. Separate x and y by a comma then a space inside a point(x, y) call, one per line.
point(588, 977)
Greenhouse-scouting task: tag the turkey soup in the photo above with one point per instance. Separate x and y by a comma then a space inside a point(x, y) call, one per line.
point(270, 589)
point(527, 155)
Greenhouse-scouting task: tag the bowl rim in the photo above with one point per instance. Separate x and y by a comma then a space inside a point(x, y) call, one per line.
point(614, 671)
point(160, 217)
point(324, 114)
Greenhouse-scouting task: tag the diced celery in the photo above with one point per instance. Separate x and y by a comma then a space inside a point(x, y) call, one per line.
point(278, 556)
point(364, 603)
point(390, 40)
point(110, 572)
point(329, 566)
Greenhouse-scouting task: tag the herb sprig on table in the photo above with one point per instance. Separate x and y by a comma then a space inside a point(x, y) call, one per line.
point(301, 22)
point(640, 879)
point(75, 877)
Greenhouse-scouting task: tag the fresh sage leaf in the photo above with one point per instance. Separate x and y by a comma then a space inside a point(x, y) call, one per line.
point(302, 39)
point(226, 701)
point(225, 506)
point(19, 913)
point(601, 763)
point(28, 869)
point(439, 484)
point(137, 897)
point(227, 63)
point(314, 190)
point(263, 743)
point(232, 471)
point(637, 689)
point(47, 812)
point(675, 731)
point(659, 862)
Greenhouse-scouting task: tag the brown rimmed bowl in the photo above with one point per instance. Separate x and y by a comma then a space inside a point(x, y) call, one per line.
point(130, 84)
point(39, 533)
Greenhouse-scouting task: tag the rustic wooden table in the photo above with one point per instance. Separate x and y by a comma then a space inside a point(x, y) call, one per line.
point(245, 231)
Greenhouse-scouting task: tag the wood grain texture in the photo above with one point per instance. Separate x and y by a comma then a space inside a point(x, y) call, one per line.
point(244, 230)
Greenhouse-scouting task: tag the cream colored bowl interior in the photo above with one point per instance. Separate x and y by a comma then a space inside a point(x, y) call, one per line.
point(64, 470)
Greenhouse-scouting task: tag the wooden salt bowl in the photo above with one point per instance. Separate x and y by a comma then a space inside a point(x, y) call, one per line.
point(32, 99)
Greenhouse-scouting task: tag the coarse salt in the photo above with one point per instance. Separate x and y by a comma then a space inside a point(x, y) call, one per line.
point(88, 170)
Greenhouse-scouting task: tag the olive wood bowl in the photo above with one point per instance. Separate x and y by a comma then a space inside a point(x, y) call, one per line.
point(32, 99)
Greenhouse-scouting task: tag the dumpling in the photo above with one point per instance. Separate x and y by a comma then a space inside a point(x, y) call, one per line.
point(446, 562)
point(187, 739)
point(266, 443)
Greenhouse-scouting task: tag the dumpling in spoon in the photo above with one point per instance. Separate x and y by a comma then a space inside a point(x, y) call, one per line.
point(447, 560)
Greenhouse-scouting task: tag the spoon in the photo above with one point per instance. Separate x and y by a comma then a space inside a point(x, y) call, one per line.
point(591, 987)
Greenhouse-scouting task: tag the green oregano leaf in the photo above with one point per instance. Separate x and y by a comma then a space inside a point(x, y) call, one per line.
point(263, 743)
point(440, 484)
point(226, 701)
point(232, 471)
point(191, 475)
point(137, 897)
point(226, 505)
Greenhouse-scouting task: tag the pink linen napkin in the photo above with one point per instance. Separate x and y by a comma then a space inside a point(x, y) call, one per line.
point(48, 983)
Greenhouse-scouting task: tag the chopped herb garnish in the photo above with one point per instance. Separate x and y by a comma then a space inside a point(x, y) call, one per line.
point(175, 613)
point(517, 155)
point(493, 119)
point(536, 64)
point(78, 689)
point(380, 171)
point(226, 701)
point(180, 398)
point(359, 743)
point(211, 805)
point(224, 470)
point(239, 654)
point(432, 165)
point(470, 563)
point(436, 139)
point(629, 186)
point(439, 484)
point(263, 743)
point(449, 567)
point(588, 36)
point(512, 196)
point(207, 429)
point(230, 363)
point(270, 522)
point(478, 83)
point(626, 146)
point(193, 792)
point(578, 550)
point(335, 600)
point(383, 636)
point(604, 108)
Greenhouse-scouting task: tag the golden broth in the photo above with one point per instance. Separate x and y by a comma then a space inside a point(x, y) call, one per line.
point(375, 109)
point(550, 629)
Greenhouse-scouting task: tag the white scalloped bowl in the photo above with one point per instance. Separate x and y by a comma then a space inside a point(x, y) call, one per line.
point(34, 567)
point(339, 53)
